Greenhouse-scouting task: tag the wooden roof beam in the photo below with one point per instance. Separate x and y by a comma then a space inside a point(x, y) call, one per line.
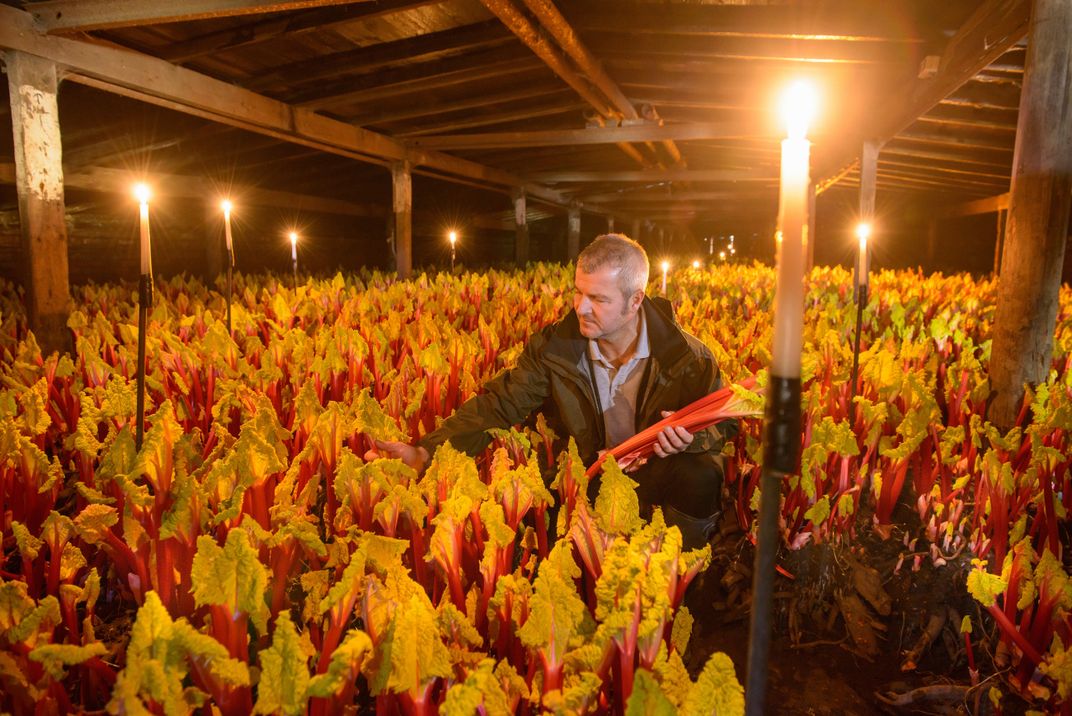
point(560, 29)
point(118, 181)
point(989, 205)
point(422, 77)
point(70, 16)
point(159, 82)
point(274, 28)
point(371, 58)
point(700, 175)
point(992, 29)
point(650, 132)
point(431, 106)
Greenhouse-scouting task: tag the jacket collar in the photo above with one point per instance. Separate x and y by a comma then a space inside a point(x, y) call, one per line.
point(667, 344)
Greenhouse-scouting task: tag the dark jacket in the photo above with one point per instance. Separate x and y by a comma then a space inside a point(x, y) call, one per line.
point(552, 375)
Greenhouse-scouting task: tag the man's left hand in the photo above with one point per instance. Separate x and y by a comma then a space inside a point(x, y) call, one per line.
point(672, 439)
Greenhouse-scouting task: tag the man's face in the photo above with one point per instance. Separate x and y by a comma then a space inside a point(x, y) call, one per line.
point(602, 309)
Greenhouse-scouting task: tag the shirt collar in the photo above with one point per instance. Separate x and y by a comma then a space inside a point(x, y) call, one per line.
point(643, 350)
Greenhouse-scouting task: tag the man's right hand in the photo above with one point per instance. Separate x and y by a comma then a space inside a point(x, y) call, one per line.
point(413, 455)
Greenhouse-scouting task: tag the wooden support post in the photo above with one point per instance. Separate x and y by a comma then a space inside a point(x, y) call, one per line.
point(635, 235)
point(32, 87)
point(402, 201)
point(521, 247)
point(573, 232)
point(999, 240)
point(1039, 203)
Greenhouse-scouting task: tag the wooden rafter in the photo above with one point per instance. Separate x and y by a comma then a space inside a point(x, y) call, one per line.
point(118, 181)
point(276, 28)
point(992, 29)
point(85, 15)
point(160, 82)
point(645, 132)
point(373, 58)
point(418, 78)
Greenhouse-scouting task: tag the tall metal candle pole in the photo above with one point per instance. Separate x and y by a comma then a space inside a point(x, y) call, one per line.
point(781, 429)
point(145, 299)
point(226, 205)
point(294, 256)
point(453, 236)
point(863, 233)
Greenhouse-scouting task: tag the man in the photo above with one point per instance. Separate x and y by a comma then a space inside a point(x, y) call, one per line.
point(615, 364)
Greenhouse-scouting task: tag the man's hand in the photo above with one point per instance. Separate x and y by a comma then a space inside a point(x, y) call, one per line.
point(413, 455)
point(672, 439)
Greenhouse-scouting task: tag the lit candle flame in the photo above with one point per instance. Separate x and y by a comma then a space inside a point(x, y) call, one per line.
point(696, 264)
point(293, 238)
point(453, 236)
point(722, 255)
point(142, 192)
point(226, 205)
point(863, 232)
point(799, 106)
point(666, 266)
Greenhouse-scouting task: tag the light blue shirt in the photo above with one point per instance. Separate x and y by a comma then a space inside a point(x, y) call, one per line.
point(619, 387)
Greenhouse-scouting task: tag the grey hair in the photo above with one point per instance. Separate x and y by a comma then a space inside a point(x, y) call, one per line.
point(617, 251)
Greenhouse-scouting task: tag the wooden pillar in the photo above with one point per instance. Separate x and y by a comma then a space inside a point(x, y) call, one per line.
point(573, 232)
point(635, 235)
point(999, 240)
point(32, 86)
point(868, 187)
point(402, 201)
point(1037, 225)
point(521, 246)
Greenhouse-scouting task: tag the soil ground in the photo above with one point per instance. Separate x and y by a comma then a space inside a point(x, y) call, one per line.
point(816, 667)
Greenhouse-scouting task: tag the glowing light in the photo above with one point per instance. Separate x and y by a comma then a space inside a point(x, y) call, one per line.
point(799, 105)
point(453, 236)
point(142, 192)
point(293, 236)
point(863, 232)
point(226, 205)
point(665, 266)
point(696, 264)
point(722, 255)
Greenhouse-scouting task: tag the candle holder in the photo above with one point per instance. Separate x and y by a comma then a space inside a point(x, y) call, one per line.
point(226, 205)
point(145, 299)
point(293, 236)
point(781, 428)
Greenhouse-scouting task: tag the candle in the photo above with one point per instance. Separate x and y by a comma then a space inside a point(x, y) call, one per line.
point(143, 193)
point(453, 238)
point(792, 238)
point(696, 263)
point(666, 267)
point(863, 232)
point(293, 246)
point(226, 205)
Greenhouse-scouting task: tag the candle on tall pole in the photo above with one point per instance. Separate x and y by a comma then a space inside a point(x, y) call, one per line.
point(226, 205)
point(453, 236)
point(781, 429)
point(665, 267)
point(293, 235)
point(145, 299)
point(863, 233)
